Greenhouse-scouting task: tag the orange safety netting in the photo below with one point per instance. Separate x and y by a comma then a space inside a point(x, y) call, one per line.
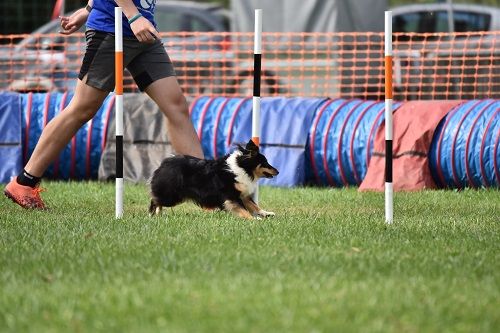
point(348, 65)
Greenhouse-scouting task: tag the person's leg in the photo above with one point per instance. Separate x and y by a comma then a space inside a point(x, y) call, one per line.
point(97, 72)
point(154, 74)
point(168, 96)
point(24, 189)
point(59, 131)
point(95, 80)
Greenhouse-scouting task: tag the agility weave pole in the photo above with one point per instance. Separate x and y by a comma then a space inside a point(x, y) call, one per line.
point(389, 189)
point(257, 64)
point(119, 112)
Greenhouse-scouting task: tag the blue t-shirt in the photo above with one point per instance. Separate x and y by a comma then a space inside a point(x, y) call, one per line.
point(102, 16)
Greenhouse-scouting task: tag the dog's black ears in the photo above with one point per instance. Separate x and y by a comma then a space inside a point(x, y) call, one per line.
point(252, 147)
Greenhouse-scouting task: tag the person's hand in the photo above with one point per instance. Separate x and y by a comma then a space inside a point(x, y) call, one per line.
point(70, 24)
point(144, 30)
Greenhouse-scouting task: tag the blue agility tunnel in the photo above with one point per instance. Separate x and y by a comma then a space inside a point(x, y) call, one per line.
point(223, 122)
point(341, 141)
point(465, 148)
point(320, 141)
point(80, 158)
point(215, 120)
point(10, 136)
point(285, 124)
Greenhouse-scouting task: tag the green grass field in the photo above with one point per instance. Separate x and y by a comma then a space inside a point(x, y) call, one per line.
point(326, 263)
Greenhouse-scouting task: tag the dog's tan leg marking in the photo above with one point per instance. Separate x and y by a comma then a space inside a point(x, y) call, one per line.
point(250, 205)
point(237, 209)
point(156, 212)
point(154, 208)
point(254, 209)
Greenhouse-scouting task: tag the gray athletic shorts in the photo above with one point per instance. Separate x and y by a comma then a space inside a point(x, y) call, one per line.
point(146, 62)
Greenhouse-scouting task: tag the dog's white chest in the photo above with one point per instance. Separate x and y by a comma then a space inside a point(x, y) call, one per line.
point(245, 186)
point(244, 183)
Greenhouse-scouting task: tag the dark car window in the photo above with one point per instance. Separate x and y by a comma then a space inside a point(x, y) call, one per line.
point(175, 21)
point(437, 21)
point(406, 22)
point(421, 22)
point(196, 24)
point(226, 22)
point(467, 21)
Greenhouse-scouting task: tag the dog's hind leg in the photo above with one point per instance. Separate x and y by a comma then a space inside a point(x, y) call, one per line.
point(154, 208)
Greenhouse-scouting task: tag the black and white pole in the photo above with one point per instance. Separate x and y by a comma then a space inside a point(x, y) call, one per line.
point(389, 191)
point(257, 64)
point(119, 112)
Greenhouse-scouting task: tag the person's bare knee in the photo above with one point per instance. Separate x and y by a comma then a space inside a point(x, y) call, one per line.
point(85, 111)
point(168, 96)
point(176, 111)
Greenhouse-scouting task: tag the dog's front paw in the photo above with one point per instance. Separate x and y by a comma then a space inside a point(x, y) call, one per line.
point(263, 213)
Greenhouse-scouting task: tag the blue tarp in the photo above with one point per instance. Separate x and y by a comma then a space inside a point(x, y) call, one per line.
point(10, 136)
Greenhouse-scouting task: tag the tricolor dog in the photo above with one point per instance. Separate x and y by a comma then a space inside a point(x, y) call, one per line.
point(227, 183)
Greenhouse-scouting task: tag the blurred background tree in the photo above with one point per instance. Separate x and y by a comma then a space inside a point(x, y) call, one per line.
point(23, 16)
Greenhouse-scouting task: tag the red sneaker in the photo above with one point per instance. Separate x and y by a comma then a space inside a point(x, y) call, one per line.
point(24, 196)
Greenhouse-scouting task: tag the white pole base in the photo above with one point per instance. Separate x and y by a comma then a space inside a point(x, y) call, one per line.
point(119, 198)
point(389, 203)
point(255, 196)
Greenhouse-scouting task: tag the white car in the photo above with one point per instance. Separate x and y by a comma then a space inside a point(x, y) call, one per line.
point(433, 17)
point(431, 64)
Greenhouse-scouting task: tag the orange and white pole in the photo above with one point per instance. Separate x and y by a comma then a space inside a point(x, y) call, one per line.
point(119, 112)
point(257, 65)
point(389, 191)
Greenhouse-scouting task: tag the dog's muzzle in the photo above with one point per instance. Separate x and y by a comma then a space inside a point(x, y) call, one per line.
point(270, 174)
